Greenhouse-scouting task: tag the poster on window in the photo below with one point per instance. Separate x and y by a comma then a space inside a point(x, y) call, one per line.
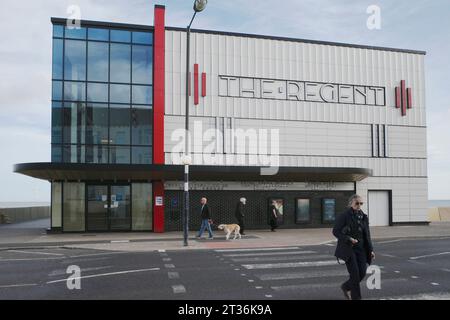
point(302, 213)
point(276, 204)
point(328, 210)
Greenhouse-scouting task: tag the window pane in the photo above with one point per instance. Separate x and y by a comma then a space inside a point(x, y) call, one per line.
point(328, 210)
point(142, 64)
point(141, 204)
point(58, 30)
point(57, 59)
point(97, 92)
point(56, 122)
point(120, 35)
point(97, 154)
point(143, 37)
point(74, 91)
point(74, 122)
point(56, 204)
point(73, 206)
point(143, 94)
point(57, 153)
point(98, 34)
point(98, 59)
point(56, 90)
point(75, 60)
point(120, 62)
point(119, 154)
point(302, 211)
point(75, 33)
point(142, 155)
point(119, 124)
point(96, 124)
point(73, 153)
point(141, 125)
point(119, 93)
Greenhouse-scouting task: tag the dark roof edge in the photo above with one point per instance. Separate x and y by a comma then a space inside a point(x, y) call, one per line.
point(329, 43)
point(92, 23)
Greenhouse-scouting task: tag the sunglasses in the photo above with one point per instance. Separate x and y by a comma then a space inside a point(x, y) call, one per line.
point(359, 203)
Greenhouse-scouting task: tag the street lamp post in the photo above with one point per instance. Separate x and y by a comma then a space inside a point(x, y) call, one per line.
point(199, 5)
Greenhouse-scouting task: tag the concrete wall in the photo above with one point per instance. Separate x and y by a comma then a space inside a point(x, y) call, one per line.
point(14, 215)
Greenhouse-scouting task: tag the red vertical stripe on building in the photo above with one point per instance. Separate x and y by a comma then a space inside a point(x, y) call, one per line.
point(158, 208)
point(409, 99)
point(158, 111)
point(403, 89)
point(398, 98)
point(203, 84)
point(196, 84)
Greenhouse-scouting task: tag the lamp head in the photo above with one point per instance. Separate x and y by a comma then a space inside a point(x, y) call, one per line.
point(199, 5)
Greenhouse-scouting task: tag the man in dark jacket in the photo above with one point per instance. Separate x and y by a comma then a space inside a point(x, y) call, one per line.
point(205, 215)
point(240, 213)
point(354, 245)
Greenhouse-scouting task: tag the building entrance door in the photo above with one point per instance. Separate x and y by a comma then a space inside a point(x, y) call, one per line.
point(108, 208)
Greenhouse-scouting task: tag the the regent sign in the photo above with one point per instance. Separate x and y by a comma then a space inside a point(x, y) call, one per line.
point(263, 88)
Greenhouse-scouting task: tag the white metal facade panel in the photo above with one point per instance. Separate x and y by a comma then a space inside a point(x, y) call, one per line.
point(378, 203)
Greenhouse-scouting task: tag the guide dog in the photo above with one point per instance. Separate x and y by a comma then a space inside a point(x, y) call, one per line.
point(229, 228)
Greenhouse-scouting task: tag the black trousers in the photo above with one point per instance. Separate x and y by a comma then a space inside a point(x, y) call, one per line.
point(241, 224)
point(357, 267)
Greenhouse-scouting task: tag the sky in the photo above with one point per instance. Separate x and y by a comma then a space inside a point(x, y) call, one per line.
point(25, 61)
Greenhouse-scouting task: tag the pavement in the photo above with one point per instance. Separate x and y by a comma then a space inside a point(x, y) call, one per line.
point(32, 234)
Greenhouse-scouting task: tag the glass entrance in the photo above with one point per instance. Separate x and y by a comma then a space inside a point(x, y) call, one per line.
point(108, 208)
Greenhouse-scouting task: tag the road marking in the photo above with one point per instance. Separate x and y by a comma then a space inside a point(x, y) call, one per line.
point(386, 255)
point(389, 241)
point(120, 241)
point(173, 275)
point(167, 259)
point(64, 271)
point(446, 270)
point(178, 289)
point(161, 250)
point(421, 296)
point(396, 271)
point(290, 264)
point(267, 254)
point(278, 258)
point(169, 266)
point(250, 280)
point(256, 249)
point(37, 252)
point(97, 254)
point(104, 274)
point(429, 255)
point(18, 285)
point(258, 287)
point(268, 296)
point(302, 275)
point(243, 274)
point(435, 283)
point(31, 259)
point(414, 277)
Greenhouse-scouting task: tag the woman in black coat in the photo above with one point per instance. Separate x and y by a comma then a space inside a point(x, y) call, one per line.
point(354, 245)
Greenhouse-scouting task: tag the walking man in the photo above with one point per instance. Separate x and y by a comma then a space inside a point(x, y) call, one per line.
point(354, 245)
point(205, 215)
point(240, 213)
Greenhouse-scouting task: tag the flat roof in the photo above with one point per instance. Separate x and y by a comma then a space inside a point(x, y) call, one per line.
point(114, 25)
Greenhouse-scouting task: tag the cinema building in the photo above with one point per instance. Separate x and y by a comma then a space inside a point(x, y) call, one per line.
point(319, 121)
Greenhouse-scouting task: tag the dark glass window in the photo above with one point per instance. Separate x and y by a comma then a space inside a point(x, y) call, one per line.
point(141, 125)
point(119, 93)
point(119, 119)
point(56, 122)
point(74, 91)
point(56, 153)
point(98, 60)
point(328, 210)
point(119, 154)
point(57, 69)
point(58, 30)
point(75, 33)
point(120, 36)
point(97, 154)
point(302, 211)
point(75, 60)
point(141, 155)
point(143, 94)
point(56, 90)
point(97, 92)
point(97, 120)
point(74, 122)
point(73, 153)
point(98, 34)
point(143, 37)
point(142, 64)
point(120, 63)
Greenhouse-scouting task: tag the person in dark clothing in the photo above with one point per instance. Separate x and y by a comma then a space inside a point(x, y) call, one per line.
point(240, 213)
point(206, 216)
point(354, 245)
point(273, 220)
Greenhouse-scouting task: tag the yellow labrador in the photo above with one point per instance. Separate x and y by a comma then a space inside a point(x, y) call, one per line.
point(229, 228)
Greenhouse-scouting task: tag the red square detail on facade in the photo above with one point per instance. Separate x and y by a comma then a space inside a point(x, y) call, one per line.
point(203, 84)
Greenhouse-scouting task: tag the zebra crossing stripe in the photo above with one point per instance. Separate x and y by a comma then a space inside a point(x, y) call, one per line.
point(290, 264)
point(268, 253)
point(302, 275)
point(255, 249)
point(278, 258)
